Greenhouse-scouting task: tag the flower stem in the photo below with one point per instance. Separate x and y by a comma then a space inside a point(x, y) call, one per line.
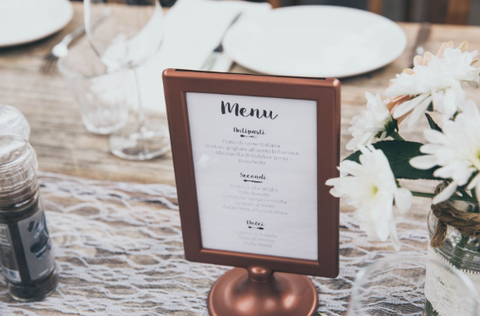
point(472, 247)
point(423, 194)
point(457, 258)
point(453, 197)
point(397, 136)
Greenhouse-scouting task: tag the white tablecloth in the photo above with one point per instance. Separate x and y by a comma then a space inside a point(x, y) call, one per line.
point(119, 251)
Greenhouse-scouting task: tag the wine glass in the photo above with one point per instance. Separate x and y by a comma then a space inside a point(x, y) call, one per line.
point(129, 36)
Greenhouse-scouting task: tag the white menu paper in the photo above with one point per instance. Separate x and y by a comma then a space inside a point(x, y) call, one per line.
point(255, 161)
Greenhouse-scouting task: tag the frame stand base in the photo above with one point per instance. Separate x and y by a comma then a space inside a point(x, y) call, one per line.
point(257, 291)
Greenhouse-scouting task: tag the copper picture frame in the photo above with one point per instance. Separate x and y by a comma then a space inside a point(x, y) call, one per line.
point(326, 93)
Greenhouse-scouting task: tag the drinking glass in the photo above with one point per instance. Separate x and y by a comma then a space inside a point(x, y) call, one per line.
point(130, 35)
point(102, 96)
point(412, 285)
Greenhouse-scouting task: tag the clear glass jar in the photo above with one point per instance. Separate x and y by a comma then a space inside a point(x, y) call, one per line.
point(26, 256)
point(460, 251)
point(395, 285)
point(12, 122)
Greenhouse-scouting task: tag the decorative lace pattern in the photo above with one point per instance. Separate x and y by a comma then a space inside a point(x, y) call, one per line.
point(118, 249)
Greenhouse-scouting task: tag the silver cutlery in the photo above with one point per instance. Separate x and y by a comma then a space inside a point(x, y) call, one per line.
point(218, 51)
point(61, 49)
point(422, 37)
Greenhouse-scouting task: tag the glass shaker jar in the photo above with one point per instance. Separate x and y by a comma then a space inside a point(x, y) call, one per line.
point(12, 122)
point(26, 257)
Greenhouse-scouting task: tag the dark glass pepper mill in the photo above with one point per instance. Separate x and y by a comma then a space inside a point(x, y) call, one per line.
point(26, 257)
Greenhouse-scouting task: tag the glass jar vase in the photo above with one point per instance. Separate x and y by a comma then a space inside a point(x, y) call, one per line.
point(456, 244)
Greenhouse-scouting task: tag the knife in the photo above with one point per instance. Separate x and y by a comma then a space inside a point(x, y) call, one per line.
point(216, 57)
point(422, 37)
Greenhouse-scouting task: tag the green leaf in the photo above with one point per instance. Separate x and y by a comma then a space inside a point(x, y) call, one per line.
point(432, 123)
point(399, 154)
point(429, 310)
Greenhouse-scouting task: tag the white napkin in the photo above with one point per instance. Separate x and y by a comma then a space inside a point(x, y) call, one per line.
point(194, 28)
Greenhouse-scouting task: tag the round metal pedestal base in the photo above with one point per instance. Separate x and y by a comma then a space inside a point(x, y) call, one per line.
point(259, 292)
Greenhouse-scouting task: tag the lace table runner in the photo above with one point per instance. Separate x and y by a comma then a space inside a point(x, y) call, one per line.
point(118, 249)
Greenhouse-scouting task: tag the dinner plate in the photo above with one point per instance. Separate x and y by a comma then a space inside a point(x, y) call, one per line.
point(24, 21)
point(314, 41)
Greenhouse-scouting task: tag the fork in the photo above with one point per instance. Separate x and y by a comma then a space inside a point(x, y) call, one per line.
point(216, 54)
point(422, 37)
point(61, 49)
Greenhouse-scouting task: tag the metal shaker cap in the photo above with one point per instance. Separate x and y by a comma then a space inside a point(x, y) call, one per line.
point(12, 122)
point(18, 170)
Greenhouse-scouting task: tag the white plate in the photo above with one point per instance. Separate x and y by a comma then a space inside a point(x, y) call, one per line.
point(24, 21)
point(314, 41)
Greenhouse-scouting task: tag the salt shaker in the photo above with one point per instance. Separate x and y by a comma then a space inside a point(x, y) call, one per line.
point(12, 122)
point(26, 256)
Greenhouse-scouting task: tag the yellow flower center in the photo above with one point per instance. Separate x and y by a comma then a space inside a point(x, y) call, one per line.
point(478, 154)
point(374, 190)
point(476, 159)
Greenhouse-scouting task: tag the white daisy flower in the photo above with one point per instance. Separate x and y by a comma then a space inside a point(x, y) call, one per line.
point(371, 188)
point(456, 151)
point(374, 123)
point(437, 80)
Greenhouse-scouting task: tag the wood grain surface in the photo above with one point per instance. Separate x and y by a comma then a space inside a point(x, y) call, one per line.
point(64, 146)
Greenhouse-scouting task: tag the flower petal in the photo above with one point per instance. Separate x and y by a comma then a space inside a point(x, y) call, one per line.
point(446, 193)
point(475, 182)
point(418, 61)
point(373, 121)
point(332, 181)
point(403, 200)
point(383, 230)
point(434, 136)
point(423, 162)
point(449, 105)
point(370, 229)
point(417, 113)
point(409, 105)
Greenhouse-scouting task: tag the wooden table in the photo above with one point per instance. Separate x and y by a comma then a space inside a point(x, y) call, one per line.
point(64, 146)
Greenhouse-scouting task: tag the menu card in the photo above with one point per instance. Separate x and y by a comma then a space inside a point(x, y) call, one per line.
point(255, 161)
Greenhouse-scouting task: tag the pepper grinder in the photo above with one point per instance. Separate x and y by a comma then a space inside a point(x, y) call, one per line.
point(26, 256)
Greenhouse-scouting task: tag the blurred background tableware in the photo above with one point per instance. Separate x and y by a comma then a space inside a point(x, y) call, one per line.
point(131, 35)
point(315, 41)
point(212, 62)
point(102, 96)
point(61, 49)
point(194, 29)
point(398, 284)
point(422, 37)
point(432, 11)
point(24, 21)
